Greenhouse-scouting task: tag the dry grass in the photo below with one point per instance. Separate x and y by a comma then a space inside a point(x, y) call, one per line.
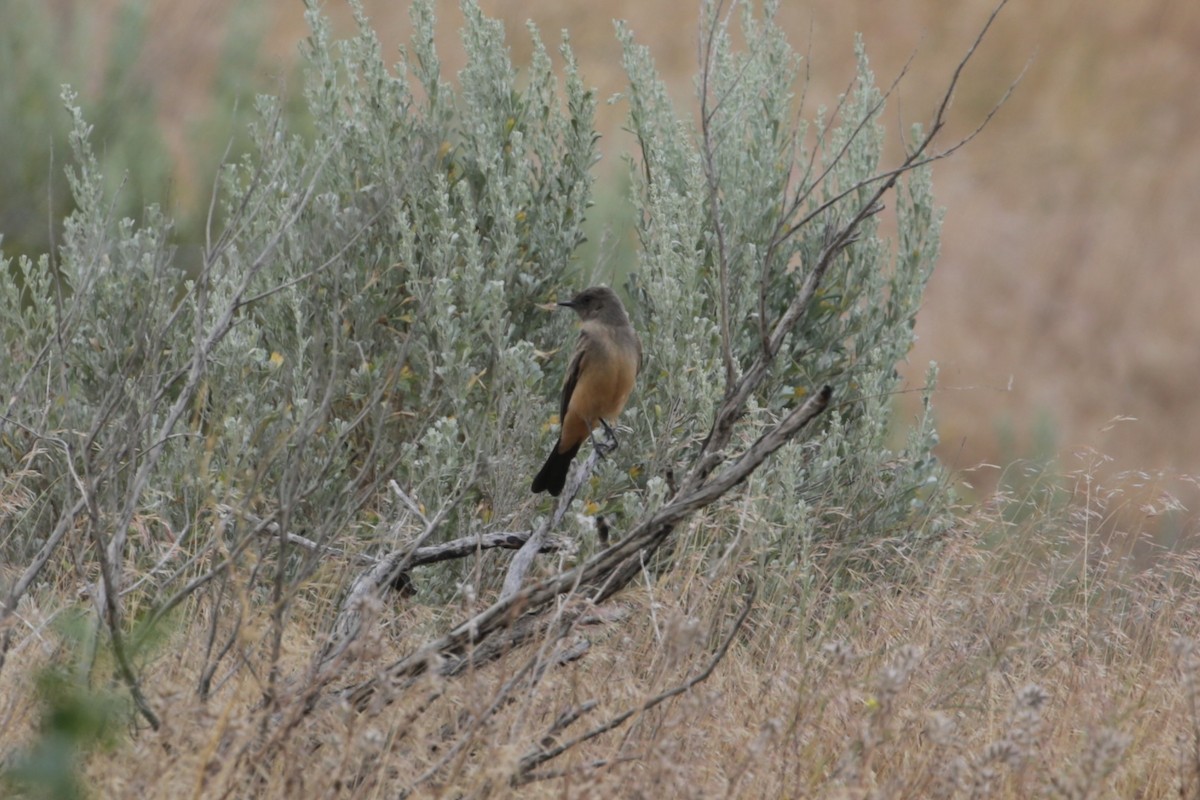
point(1049, 651)
point(1043, 654)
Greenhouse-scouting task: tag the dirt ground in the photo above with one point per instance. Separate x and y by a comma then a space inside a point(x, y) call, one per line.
point(1063, 309)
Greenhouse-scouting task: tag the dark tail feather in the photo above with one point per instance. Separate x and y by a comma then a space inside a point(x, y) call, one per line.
point(553, 476)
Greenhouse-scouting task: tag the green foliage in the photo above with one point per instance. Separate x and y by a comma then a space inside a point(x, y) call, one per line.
point(725, 194)
point(74, 720)
point(367, 311)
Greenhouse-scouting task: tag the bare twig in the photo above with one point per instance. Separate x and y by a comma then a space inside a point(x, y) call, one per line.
point(542, 754)
point(347, 625)
point(65, 522)
point(918, 156)
point(523, 560)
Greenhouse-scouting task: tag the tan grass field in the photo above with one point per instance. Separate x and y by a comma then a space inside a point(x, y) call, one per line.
point(1034, 660)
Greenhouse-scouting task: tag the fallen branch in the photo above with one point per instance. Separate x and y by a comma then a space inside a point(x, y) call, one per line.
point(447, 551)
point(427, 554)
point(599, 577)
point(523, 560)
point(387, 571)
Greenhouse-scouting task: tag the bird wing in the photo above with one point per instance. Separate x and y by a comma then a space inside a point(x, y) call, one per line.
point(573, 370)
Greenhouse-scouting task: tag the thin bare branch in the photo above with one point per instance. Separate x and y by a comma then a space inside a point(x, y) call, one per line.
point(347, 625)
point(958, 70)
point(917, 156)
point(542, 754)
point(523, 560)
point(65, 522)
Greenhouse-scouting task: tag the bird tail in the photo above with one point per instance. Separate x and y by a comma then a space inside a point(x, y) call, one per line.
point(553, 475)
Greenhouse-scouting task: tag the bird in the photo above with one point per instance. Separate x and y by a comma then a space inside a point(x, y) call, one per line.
point(599, 379)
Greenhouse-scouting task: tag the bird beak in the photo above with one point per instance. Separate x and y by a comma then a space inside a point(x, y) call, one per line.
point(566, 303)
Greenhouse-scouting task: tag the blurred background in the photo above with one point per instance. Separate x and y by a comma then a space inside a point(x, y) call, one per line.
point(1065, 309)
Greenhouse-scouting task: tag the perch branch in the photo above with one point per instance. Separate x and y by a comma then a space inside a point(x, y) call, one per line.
point(523, 560)
point(603, 573)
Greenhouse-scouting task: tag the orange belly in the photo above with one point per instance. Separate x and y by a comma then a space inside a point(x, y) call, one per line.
point(600, 393)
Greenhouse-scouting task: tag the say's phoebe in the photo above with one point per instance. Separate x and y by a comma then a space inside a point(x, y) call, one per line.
point(603, 367)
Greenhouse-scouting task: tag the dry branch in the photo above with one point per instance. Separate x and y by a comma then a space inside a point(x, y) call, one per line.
point(65, 522)
point(544, 752)
point(426, 554)
point(598, 578)
point(523, 560)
